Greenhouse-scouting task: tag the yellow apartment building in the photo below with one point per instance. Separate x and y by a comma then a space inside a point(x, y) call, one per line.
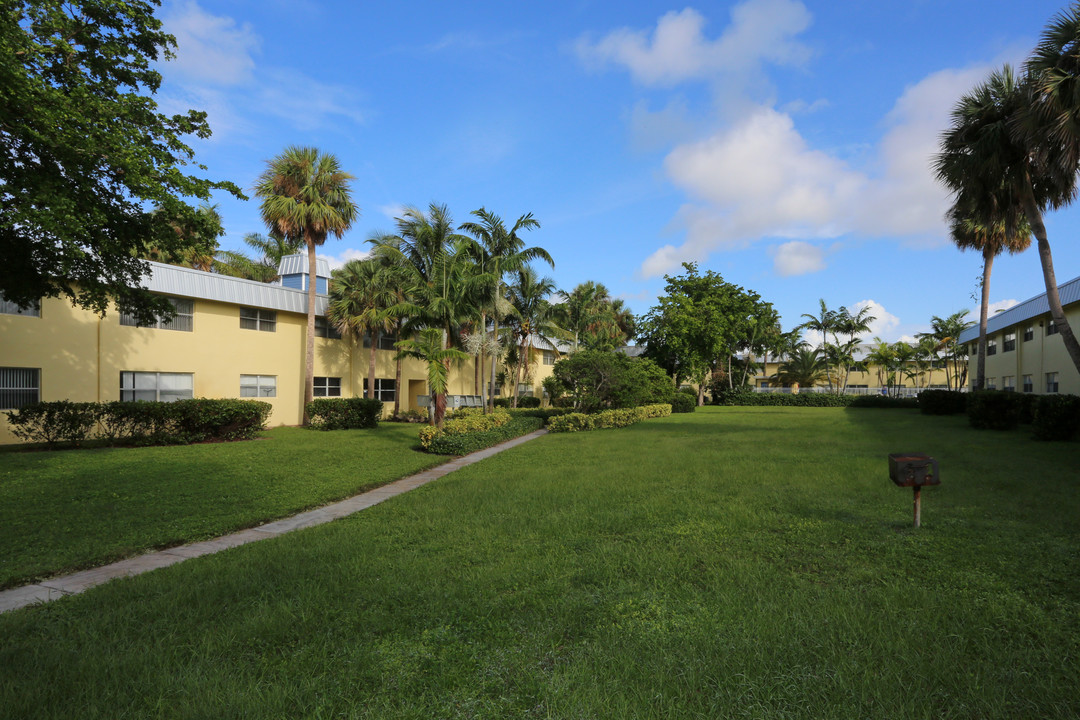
point(231, 338)
point(1024, 352)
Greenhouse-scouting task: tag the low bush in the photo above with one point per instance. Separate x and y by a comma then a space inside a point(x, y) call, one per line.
point(883, 401)
point(1026, 404)
point(942, 402)
point(743, 396)
point(993, 410)
point(1057, 417)
point(410, 416)
point(620, 417)
point(53, 422)
point(683, 403)
point(528, 401)
point(462, 436)
point(543, 413)
point(203, 419)
point(344, 413)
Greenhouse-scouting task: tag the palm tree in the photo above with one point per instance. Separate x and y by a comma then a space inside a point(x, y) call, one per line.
point(428, 347)
point(824, 322)
point(499, 251)
point(306, 194)
point(534, 318)
point(882, 356)
point(851, 325)
point(803, 367)
point(364, 299)
point(946, 333)
point(264, 266)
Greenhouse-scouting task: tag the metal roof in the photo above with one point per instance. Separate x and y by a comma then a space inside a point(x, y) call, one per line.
point(298, 265)
point(1035, 307)
point(188, 282)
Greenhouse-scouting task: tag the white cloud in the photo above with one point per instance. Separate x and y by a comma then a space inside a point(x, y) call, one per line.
point(992, 309)
point(345, 256)
point(210, 49)
point(884, 325)
point(392, 211)
point(761, 31)
point(797, 258)
point(305, 102)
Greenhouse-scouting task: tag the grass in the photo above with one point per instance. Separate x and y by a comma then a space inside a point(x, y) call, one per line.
point(73, 509)
point(734, 562)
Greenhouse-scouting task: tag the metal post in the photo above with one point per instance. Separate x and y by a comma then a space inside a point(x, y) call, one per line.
point(918, 509)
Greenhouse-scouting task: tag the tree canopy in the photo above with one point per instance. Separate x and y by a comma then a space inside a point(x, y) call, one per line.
point(91, 173)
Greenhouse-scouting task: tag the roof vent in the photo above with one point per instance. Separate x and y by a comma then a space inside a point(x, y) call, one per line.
point(293, 270)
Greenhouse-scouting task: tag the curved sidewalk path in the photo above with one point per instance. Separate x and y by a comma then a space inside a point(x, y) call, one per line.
point(75, 583)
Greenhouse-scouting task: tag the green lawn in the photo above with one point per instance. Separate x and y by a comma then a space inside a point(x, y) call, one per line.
point(73, 509)
point(735, 562)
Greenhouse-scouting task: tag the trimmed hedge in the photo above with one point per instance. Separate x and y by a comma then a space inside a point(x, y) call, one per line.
point(344, 413)
point(463, 435)
point(524, 401)
point(743, 397)
point(993, 410)
point(683, 403)
point(142, 423)
point(882, 401)
point(621, 417)
point(1057, 417)
point(942, 402)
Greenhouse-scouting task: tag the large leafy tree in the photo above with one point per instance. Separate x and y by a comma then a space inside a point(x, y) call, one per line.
point(306, 194)
point(91, 173)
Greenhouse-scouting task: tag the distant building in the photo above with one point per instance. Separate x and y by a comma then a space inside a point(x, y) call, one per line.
point(1024, 352)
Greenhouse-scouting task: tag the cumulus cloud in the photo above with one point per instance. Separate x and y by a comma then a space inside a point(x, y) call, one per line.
point(761, 31)
point(345, 256)
point(210, 49)
point(992, 309)
point(797, 258)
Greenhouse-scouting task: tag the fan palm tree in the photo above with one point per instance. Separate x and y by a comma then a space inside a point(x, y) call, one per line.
point(364, 298)
point(499, 251)
point(803, 367)
point(306, 194)
point(534, 318)
point(427, 346)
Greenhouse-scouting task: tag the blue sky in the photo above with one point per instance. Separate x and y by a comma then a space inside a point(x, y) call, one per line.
point(783, 144)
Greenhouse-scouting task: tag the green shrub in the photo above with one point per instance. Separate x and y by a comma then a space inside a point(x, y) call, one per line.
point(52, 422)
point(571, 422)
point(993, 410)
point(747, 397)
point(597, 380)
point(202, 419)
point(528, 401)
point(683, 403)
point(464, 443)
point(543, 413)
point(344, 413)
point(942, 402)
point(1026, 404)
point(615, 418)
point(1057, 417)
point(883, 401)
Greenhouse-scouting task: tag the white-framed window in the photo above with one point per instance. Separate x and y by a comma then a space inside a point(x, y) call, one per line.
point(385, 389)
point(327, 387)
point(1029, 333)
point(991, 383)
point(386, 341)
point(1010, 342)
point(1008, 383)
point(153, 386)
point(258, 386)
point(258, 319)
point(524, 389)
point(1051, 382)
point(325, 329)
point(18, 387)
point(9, 308)
point(991, 347)
point(183, 321)
point(1051, 327)
point(1029, 384)
point(549, 357)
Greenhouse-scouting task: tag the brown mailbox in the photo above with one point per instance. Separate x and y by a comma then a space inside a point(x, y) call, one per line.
point(913, 469)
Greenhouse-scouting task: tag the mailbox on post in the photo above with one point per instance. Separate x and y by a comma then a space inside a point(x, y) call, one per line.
point(914, 470)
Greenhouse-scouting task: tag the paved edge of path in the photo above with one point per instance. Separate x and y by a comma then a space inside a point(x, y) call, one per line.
point(74, 583)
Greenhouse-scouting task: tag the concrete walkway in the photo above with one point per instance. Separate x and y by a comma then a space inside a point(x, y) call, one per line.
point(77, 582)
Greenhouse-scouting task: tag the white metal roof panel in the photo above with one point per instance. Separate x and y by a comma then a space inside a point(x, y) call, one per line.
point(298, 265)
point(188, 282)
point(1032, 308)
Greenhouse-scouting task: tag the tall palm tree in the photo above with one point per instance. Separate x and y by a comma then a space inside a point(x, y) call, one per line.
point(850, 325)
point(825, 322)
point(364, 299)
point(428, 347)
point(499, 251)
point(306, 194)
point(946, 333)
point(534, 318)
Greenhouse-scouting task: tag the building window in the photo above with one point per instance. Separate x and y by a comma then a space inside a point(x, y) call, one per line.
point(184, 320)
point(384, 389)
point(1029, 333)
point(1008, 383)
point(386, 341)
point(154, 386)
point(18, 387)
point(1051, 382)
point(327, 387)
point(258, 386)
point(549, 357)
point(524, 389)
point(325, 329)
point(991, 347)
point(974, 349)
point(991, 383)
point(1010, 342)
point(1029, 385)
point(9, 308)
point(1051, 328)
point(258, 319)
point(851, 385)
